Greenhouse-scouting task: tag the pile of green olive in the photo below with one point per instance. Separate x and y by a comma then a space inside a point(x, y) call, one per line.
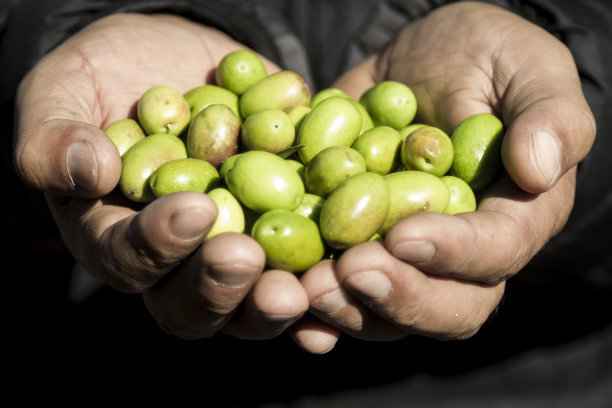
point(307, 176)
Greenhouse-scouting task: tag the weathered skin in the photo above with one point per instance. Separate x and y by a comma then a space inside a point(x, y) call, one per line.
point(213, 135)
point(354, 212)
point(279, 90)
point(333, 122)
point(142, 159)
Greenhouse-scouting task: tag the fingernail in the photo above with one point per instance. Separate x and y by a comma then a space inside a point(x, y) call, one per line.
point(188, 224)
point(329, 303)
point(547, 154)
point(414, 251)
point(234, 276)
point(373, 284)
point(82, 166)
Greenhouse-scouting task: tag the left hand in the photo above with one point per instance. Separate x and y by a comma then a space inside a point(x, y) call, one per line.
point(439, 275)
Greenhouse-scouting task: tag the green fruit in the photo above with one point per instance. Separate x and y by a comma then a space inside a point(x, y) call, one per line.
point(333, 122)
point(124, 133)
point(227, 165)
point(462, 198)
point(330, 167)
point(183, 175)
point(327, 93)
point(390, 103)
point(311, 207)
point(276, 91)
point(366, 120)
point(142, 159)
point(428, 149)
point(230, 217)
point(238, 70)
point(477, 143)
point(263, 181)
point(298, 166)
point(213, 135)
point(162, 109)
point(413, 192)
point(203, 96)
point(355, 210)
point(290, 241)
point(405, 131)
point(297, 113)
point(270, 129)
point(380, 148)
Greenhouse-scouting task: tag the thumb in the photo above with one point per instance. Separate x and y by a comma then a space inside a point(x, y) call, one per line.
point(57, 148)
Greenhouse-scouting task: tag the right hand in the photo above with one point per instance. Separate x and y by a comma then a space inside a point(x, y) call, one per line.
point(93, 79)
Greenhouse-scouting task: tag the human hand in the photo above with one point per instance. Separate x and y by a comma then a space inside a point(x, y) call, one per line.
point(91, 80)
point(440, 275)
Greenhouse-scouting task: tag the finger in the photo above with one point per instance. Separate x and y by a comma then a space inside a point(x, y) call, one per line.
point(198, 299)
point(417, 303)
point(551, 127)
point(275, 303)
point(58, 148)
point(314, 335)
point(510, 227)
point(132, 250)
point(331, 303)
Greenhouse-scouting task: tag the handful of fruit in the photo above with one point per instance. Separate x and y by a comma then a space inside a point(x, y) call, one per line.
point(305, 175)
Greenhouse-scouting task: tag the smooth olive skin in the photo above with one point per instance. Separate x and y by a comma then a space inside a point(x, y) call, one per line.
point(124, 133)
point(327, 93)
point(311, 207)
point(276, 91)
point(428, 149)
point(413, 192)
point(290, 241)
point(202, 96)
point(330, 167)
point(238, 70)
point(269, 129)
point(462, 198)
point(333, 122)
point(355, 210)
point(214, 134)
point(390, 103)
point(380, 147)
point(188, 174)
point(262, 181)
point(230, 216)
point(477, 142)
point(142, 159)
point(162, 109)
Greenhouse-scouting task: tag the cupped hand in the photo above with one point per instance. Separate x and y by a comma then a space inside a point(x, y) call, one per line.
point(96, 77)
point(440, 275)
